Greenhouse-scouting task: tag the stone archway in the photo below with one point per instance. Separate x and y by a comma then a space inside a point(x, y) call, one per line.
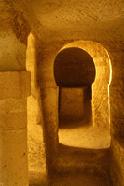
point(100, 91)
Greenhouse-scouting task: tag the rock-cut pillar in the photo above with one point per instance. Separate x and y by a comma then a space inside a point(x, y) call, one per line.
point(117, 118)
point(49, 104)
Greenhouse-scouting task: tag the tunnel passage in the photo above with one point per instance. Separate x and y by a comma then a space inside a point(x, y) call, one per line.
point(74, 73)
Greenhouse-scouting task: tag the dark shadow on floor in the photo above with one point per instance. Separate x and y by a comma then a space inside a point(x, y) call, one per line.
point(67, 123)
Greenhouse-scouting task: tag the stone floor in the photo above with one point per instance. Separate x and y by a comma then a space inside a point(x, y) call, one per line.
point(76, 167)
point(78, 180)
point(71, 180)
point(84, 136)
point(80, 149)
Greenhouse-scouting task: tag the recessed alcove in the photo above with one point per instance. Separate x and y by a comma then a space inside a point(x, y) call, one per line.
point(82, 73)
point(74, 74)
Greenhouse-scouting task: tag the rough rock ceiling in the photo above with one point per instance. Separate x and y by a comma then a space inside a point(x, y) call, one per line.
point(99, 20)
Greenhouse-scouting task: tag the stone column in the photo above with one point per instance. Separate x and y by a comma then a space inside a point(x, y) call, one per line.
point(117, 94)
point(49, 103)
point(117, 118)
point(14, 89)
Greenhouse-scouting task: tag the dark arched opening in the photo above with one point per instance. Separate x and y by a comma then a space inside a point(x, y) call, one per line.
point(74, 73)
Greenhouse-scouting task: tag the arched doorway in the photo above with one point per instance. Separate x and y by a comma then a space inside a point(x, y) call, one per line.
point(74, 72)
point(82, 72)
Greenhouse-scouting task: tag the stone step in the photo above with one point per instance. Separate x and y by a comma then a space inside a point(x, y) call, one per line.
point(78, 180)
point(73, 159)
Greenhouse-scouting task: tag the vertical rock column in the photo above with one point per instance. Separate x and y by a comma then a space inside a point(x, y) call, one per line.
point(50, 117)
point(117, 94)
point(49, 103)
point(14, 89)
point(117, 117)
